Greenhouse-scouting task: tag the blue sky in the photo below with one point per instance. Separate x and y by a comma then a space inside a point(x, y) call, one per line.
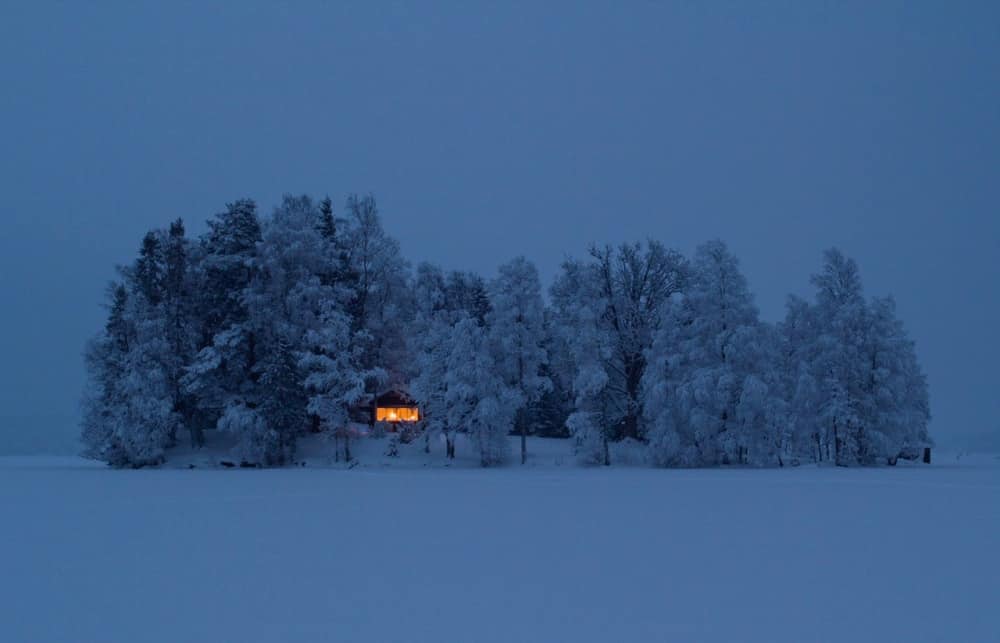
point(492, 130)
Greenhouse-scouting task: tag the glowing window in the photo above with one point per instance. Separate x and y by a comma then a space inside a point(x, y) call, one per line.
point(397, 414)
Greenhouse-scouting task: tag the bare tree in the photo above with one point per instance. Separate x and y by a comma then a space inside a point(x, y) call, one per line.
point(609, 308)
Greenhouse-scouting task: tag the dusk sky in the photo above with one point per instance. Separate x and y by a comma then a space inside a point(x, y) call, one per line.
point(488, 131)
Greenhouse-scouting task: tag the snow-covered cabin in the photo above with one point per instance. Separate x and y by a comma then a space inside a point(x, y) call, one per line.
point(395, 407)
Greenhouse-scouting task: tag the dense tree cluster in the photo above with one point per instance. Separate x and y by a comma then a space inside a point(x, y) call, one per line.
point(267, 328)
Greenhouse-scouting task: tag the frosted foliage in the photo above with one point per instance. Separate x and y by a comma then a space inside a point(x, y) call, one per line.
point(856, 394)
point(588, 436)
point(128, 413)
point(267, 328)
point(517, 339)
point(255, 439)
point(577, 305)
point(334, 379)
point(381, 303)
point(432, 344)
point(287, 293)
point(455, 366)
point(609, 310)
point(712, 387)
point(477, 399)
point(517, 329)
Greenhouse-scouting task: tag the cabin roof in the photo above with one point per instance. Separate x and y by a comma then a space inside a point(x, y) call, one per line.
point(394, 398)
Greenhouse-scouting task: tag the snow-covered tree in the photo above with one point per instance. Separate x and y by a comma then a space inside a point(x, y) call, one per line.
point(128, 415)
point(468, 292)
point(266, 328)
point(898, 409)
point(335, 379)
point(327, 221)
point(428, 337)
point(226, 267)
point(549, 416)
point(104, 360)
point(798, 335)
point(859, 396)
point(839, 363)
point(286, 301)
point(712, 391)
point(429, 385)
point(223, 376)
point(180, 325)
point(380, 304)
point(587, 353)
point(634, 283)
point(440, 302)
point(144, 419)
point(516, 325)
point(608, 310)
point(148, 274)
point(477, 398)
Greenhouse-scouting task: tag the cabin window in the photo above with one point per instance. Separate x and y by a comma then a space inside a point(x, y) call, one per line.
point(397, 414)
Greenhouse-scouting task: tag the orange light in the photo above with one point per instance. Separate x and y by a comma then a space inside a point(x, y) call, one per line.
point(397, 414)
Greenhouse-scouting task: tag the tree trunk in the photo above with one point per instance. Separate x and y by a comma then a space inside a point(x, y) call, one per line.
point(836, 445)
point(524, 440)
point(634, 366)
point(197, 436)
point(630, 426)
point(607, 453)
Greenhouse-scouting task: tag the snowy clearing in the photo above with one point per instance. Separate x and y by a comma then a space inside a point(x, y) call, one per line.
point(548, 553)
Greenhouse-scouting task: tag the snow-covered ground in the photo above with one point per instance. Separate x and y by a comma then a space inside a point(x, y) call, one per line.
point(421, 552)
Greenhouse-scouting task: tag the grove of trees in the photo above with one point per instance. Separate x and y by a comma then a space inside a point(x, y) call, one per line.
point(270, 327)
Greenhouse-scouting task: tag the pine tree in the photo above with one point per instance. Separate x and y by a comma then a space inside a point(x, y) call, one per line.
point(468, 292)
point(282, 400)
point(223, 375)
point(143, 419)
point(284, 301)
point(104, 360)
point(553, 409)
point(327, 222)
point(128, 416)
point(149, 269)
point(180, 327)
point(227, 267)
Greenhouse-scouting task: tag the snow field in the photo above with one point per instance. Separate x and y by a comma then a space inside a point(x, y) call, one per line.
point(549, 553)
